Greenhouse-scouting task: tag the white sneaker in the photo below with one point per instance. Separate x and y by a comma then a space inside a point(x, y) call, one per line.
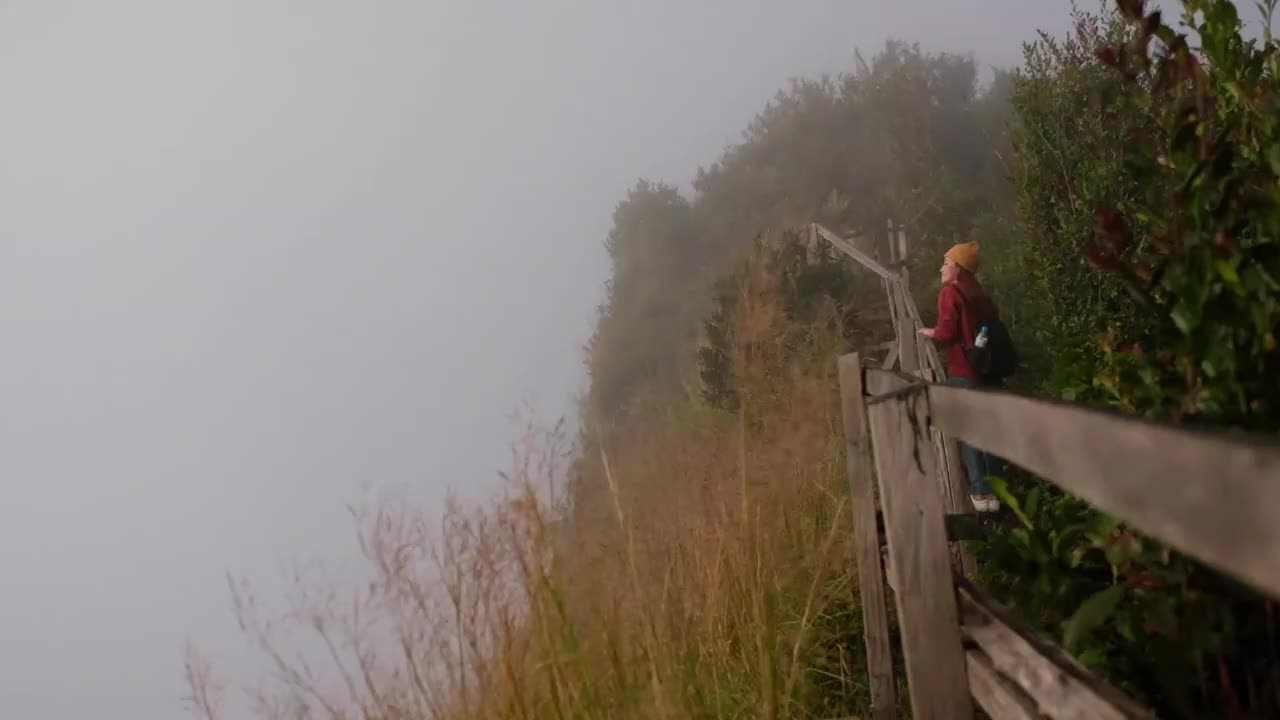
point(983, 505)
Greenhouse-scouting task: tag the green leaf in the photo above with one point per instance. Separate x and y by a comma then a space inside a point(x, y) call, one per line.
point(1185, 315)
point(1101, 527)
point(1184, 139)
point(1093, 658)
point(1227, 270)
point(1124, 626)
point(1001, 488)
point(1033, 502)
point(1124, 550)
point(1222, 14)
point(1091, 615)
point(1273, 158)
point(1077, 555)
point(1067, 537)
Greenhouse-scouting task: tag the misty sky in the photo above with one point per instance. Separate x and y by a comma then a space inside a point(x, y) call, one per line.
point(256, 255)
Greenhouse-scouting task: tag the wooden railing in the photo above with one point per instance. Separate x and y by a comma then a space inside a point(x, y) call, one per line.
point(1214, 497)
point(913, 357)
point(1211, 496)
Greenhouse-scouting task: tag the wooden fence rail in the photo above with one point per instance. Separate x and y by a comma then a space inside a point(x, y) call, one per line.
point(1212, 496)
point(915, 358)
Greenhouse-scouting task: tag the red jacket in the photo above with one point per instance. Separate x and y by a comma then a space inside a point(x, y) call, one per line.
point(961, 306)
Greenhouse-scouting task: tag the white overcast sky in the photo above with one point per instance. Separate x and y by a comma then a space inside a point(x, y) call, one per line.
point(258, 254)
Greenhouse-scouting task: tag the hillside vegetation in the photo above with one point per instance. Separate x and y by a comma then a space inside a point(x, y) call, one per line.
point(684, 553)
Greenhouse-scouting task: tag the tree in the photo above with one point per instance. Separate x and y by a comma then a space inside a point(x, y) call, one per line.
point(909, 136)
point(1070, 142)
point(649, 302)
point(806, 283)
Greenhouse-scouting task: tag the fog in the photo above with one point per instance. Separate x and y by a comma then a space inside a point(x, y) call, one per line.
point(258, 256)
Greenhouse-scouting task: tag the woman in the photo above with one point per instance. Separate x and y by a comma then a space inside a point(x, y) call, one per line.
point(962, 306)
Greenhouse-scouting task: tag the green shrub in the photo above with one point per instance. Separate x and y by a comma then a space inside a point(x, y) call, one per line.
point(1186, 246)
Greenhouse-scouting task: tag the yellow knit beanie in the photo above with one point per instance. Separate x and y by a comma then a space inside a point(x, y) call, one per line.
point(965, 255)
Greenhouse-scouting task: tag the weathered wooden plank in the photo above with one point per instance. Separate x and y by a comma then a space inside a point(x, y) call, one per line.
point(900, 297)
point(955, 495)
point(951, 475)
point(999, 697)
point(896, 319)
point(847, 247)
point(908, 347)
point(959, 526)
point(951, 486)
point(880, 382)
point(926, 364)
point(891, 358)
point(913, 312)
point(1211, 495)
point(860, 469)
point(933, 359)
point(888, 567)
point(1061, 687)
point(919, 358)
point(919, 565)
point(901, 236)
point(959, 473)
point(935, 364)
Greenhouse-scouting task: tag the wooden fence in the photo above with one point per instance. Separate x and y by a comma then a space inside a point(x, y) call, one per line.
point(1211, 496)
point(913, 357)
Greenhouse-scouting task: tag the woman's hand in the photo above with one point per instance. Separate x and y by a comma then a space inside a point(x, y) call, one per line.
point(927, 332)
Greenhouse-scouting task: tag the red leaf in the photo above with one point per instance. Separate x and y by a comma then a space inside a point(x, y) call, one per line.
point(1108, 222)
point(1112, 232)
point(1101, 258)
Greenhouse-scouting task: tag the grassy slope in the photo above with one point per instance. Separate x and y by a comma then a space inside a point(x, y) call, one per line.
point(696, 566)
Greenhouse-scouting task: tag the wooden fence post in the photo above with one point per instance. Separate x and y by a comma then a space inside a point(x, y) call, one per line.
point(861, 474)
point(950, 468)
point(918, 558)
point(899, 296)
point(908, 349)
point(958, 497)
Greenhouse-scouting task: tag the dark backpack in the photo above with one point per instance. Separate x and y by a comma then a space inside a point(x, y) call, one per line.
point(999, 359)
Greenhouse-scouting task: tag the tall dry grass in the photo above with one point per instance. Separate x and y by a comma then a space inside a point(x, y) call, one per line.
point(678, 564)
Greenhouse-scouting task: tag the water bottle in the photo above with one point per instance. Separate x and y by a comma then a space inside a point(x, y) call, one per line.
point(981, 341)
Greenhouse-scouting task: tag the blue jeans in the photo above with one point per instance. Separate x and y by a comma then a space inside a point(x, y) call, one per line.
point(979, 464)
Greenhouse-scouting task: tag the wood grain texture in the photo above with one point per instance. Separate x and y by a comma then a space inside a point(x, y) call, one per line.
point(1001, 699)
point(848, 248)
point(908, 340)
point(920, 566)
point(1060, 687)
point(880, 382)
point(891, 358)
point(860, 470)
